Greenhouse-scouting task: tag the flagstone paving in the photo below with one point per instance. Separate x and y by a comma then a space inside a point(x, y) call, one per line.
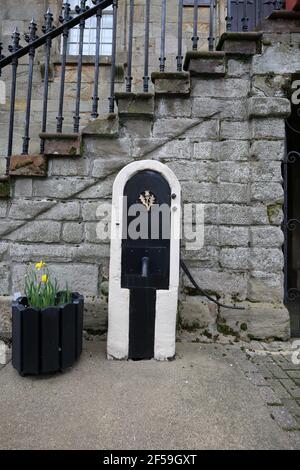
point(281, 375)
point(211, 397)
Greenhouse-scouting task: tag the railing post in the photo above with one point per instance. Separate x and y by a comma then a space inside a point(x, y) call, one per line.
point(63, 19)
point(146, 48)
point(179, 57)
point(162, 59)
point(245, 19)
point(47, 27)
point(211, 38)
point(76, 117)
point(15, 46)
point(113, 58)
point(95, 98)
point(128, 78)
point(229, 17)
point(29, 38)
point(195, 37)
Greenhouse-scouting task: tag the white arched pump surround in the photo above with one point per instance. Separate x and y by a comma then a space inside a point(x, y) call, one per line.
point(166, 300)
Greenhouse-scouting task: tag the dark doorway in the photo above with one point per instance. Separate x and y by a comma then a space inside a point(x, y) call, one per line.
point(291, 226)
point(257, 10)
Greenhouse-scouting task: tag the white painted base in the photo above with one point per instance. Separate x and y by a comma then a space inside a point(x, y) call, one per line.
point(5, 353)
point(165, 324)
point(118, 322)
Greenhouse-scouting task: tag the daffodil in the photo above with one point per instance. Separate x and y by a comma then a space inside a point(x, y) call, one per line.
point(40, 265)
point(42, 289)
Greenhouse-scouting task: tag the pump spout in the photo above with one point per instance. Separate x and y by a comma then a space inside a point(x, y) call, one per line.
point(145, 266)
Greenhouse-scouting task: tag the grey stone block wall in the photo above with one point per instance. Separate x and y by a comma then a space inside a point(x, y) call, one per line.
point(225, 142)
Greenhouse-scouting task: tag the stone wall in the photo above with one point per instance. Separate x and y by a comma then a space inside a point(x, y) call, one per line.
point(222, 133)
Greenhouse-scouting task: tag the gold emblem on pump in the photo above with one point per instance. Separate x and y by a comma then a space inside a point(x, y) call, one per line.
point(147, 199)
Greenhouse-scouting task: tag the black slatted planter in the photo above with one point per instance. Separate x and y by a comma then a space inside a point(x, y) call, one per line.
point(46, 340)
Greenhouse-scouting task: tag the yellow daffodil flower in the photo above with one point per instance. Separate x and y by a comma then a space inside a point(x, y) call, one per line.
point(44, 278)
point(40, 265)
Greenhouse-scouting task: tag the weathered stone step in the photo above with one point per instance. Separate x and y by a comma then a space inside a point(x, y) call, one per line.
point(28, 165)
point(171, 83)
point(247, 43)
point(62, 145)
point(281, 21)
point(205, 63)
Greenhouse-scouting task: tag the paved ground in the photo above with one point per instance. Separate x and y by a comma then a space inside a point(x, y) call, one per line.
point(210, 397)
point(278, 380)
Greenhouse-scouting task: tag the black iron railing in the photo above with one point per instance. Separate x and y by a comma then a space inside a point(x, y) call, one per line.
point(34, 43)
point(66, 22)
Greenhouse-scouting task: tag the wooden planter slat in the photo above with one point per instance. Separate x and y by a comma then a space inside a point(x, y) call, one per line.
point(50, 361)
point(79, 327)
point(30, 340)
point(17, 336)
point(68, 332)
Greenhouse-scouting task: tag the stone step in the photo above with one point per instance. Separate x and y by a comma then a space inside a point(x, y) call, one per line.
point(106, 126)
point(205, 63)
point(171, 83)
point(136, 113)
point(281, 21)
point(28, 165)
point(135, 105)
point(61, 144)
point(246, 43)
